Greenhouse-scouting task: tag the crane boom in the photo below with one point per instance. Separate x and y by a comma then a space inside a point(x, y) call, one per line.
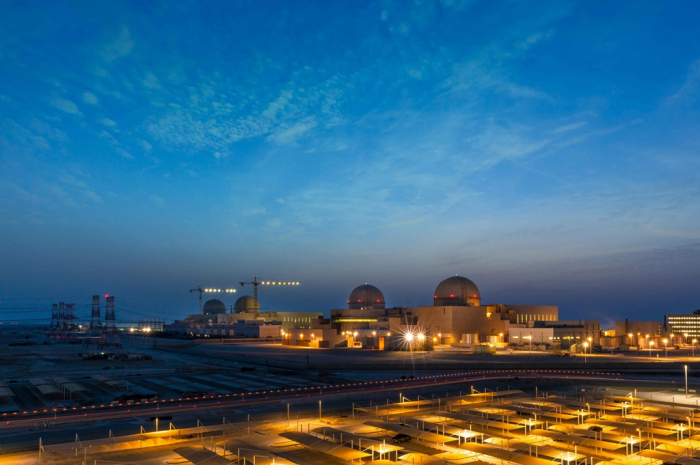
point(256, 283)
point(208, 289)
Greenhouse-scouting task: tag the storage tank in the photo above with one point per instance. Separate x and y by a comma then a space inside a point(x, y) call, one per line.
point(470, 338)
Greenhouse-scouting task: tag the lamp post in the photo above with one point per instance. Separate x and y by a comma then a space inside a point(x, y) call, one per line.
point(629, 339)
point(686, 338)
point(685, 368)
point(650, 346)
point(693, 346)
point(585, 346)
point(666, 347)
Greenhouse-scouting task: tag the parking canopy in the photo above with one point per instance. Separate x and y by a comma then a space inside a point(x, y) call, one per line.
point(201, 456)
point(324, 446)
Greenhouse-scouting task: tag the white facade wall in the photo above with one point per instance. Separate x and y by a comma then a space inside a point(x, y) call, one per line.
point(522, 335)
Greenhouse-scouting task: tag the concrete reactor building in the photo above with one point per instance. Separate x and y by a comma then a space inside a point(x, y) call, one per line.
point(456, 317)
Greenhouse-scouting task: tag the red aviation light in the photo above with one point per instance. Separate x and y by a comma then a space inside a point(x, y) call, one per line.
point(434, 297)
point(359, 300)
point(452, 295)
point(377, 300)
point(474, 295)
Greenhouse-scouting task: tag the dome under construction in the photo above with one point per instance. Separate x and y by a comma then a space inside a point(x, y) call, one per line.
point(246, 304)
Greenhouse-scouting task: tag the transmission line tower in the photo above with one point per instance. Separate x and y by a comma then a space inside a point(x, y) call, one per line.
point(95, 327)
point(55, 325)
point(110, 336)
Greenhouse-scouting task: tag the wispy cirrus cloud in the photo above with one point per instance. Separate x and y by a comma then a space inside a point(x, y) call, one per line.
point(90, 98)
point(120, 46)
point(64, 105)
point(690, 88)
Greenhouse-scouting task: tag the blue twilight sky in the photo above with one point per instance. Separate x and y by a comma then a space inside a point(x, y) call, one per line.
point(546, 150)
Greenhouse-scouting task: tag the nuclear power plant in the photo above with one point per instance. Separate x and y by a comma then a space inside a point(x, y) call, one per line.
point(457, 317)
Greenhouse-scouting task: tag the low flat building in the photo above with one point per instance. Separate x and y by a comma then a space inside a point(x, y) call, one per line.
point(630, 331)
point(535, 336)
point(214, 321)
point(257, 329)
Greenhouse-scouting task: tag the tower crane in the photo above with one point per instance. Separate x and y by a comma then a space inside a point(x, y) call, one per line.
point(256, 283)
point(208, 289)
point(200, 290)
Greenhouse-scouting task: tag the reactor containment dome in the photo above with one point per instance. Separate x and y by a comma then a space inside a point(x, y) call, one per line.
point(214, 306)
point(246, 304)
point(457, 291)
point(366, 297)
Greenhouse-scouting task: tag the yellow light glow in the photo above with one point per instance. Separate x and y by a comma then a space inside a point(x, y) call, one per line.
point(409, 337)
point(421, 337)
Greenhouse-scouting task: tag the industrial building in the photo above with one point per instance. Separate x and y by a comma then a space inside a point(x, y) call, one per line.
point(216, 321)
point(457, 316)
point(684, 324)
point(634, 329)
point(564, 334)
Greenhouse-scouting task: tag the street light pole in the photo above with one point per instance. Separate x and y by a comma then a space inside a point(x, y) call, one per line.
point(685, 367)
